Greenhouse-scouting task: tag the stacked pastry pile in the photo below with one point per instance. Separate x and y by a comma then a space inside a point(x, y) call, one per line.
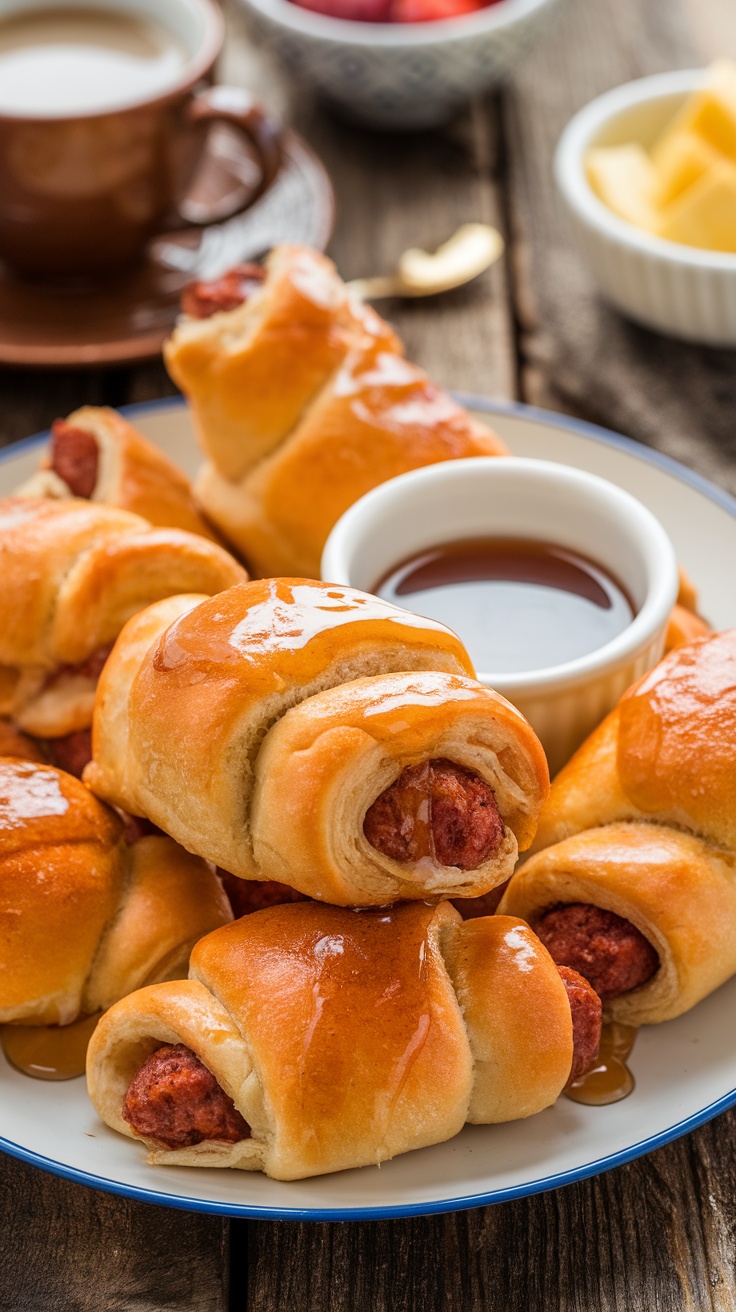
point(330, 1038)
point(284, 730)
point(319, 746)
point(294, 730)
point(92, 904)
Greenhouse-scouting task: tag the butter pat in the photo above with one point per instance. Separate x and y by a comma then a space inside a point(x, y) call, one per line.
point(679, 160)
point(705, 214)
point(624, 179)
point(709, 113)
point(684, 190)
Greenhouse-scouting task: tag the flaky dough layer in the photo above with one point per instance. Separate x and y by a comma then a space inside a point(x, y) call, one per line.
point(346, 1038)
point(678, 890)
point(132, 474)
point(73, 573)
point(302, 402)
point(259, 727)
point(84, 917)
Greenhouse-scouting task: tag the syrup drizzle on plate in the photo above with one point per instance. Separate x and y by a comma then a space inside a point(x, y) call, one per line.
point(49, 1052)
point(610, 1079)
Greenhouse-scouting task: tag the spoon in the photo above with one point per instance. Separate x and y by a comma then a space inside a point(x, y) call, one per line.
point(472, 250)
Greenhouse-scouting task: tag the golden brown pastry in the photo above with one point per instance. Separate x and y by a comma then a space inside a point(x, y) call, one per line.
point(666, 753)
point(14, 743)
point(687, 595)
point(643, 911)
point(97, 455)
point(84, 916)
point(311, 1039)
point(303, 402)
point(685, 623)
point(293, 731)
point(634, 879)
point(249, 371)
point(72, 573)
point(684, 626)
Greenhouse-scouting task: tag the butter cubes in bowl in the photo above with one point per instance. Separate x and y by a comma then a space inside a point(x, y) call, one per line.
point(684, 187)
point(648, 172)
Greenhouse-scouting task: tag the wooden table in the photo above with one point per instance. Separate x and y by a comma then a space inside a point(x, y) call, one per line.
point(659, 1233)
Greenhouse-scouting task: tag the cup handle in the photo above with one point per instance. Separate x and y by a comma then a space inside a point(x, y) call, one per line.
point(234, 105)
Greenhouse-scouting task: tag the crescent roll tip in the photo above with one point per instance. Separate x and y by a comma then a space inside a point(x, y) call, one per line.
point(355, 1036)
point(336, 754)
point(303, 401)
point(677, 890)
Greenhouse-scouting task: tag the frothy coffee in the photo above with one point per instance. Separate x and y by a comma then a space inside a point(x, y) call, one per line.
point(79, 61)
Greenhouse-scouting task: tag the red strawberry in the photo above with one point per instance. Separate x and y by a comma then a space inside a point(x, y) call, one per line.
point(362, 11)
point(428, 11)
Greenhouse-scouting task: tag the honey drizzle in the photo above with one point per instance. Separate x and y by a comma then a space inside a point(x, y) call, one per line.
point(610, 1079)
point(49, 1052)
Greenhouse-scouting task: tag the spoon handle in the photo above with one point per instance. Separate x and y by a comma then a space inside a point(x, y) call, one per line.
point(373, 289)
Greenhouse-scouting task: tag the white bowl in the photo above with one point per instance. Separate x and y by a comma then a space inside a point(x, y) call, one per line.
point(400, 75)
point(680, 290)
point(528, 499)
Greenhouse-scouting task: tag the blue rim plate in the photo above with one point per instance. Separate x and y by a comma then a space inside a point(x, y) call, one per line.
point(683, 1077)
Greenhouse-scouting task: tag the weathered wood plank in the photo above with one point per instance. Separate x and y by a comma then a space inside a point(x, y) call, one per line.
point(65, 1248)
point(654, 1236)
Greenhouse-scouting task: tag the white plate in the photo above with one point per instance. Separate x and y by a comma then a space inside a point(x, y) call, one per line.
point(685, 1070)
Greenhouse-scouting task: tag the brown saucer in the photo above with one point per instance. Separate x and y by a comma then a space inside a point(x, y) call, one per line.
point(129, 316)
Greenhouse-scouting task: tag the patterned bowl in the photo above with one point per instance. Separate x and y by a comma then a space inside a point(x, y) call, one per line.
point(399, 75)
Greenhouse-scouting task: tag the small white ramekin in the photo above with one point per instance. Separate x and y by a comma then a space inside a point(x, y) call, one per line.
point(533, 499)
point(680, 290)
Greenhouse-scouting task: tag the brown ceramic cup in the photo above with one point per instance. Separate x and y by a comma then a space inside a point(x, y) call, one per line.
point(85, 193)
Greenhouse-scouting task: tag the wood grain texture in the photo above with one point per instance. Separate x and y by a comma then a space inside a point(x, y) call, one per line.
point(577, 354)
point(654, 1236)
point(65, 1248)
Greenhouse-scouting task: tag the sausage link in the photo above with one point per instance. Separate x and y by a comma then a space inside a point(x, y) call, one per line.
point(136, 826)
point(472, 907)
point(610, 952)
point(90, 669)
point(587, 1017)
point(71, 752)
point(203, 299)
point(75, 457)
point(436, 809)
point(247, 895)
point(176, 1101)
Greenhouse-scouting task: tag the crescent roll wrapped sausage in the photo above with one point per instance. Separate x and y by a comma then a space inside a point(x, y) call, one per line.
point(636, 884)
point(311, 1039)
point(84, 916)
point(645, 912)
point(397, 783)
point(251, 363)
point(302, 403)
point(72, 573)
point(243, 728)
point(97, 455)
point(666, 753)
